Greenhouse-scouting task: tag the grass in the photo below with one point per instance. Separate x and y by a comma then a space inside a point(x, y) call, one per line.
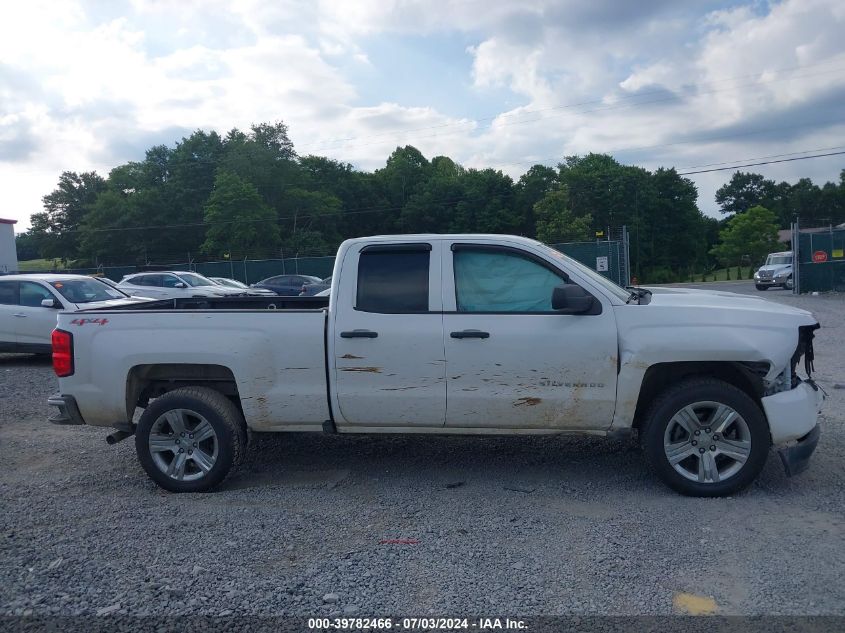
point(39, 265)
point(721, 274)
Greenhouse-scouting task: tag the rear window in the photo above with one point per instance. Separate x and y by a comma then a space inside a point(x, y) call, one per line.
point(393, 281)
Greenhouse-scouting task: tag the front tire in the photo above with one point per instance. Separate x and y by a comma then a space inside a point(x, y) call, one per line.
point(190, 439)
point(705, 438)
point(759, 287)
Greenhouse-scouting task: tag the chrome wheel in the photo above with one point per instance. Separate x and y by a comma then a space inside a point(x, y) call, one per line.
point(183, 445)
point(707, 442)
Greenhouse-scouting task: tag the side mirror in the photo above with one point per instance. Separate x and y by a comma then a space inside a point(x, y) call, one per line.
point(180, 284)
point(572, 299)
point(49, 303)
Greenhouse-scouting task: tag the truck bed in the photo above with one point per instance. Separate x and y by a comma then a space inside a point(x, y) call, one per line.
point(231, 303)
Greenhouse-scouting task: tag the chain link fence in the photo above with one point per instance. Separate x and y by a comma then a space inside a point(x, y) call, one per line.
point(608, 255)
point(820, 256)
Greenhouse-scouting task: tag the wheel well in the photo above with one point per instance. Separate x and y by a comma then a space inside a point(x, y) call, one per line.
point(146, 382)
point(745, 376)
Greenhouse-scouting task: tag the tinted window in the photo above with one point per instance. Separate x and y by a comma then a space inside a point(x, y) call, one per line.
point(502, 281)
point(144, 280)
point(169, 281)
point(393, 281)
point(8, 293)
point(32, 294)
point(86, 290)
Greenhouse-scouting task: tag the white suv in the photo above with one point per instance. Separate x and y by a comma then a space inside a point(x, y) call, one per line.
point(29, 303)
point(174, 285)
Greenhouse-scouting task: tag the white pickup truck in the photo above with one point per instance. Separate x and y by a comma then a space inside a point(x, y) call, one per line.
point(448, 334)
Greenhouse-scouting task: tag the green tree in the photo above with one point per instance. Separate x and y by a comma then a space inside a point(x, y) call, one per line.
point(240, 224)
point(753, 233)
point(56, 228)
point(556, 223)
point(743, 191)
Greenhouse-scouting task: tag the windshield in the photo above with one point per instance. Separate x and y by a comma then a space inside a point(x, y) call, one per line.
point(87, 290)
point(778, 260)
point(591, 274)
point(195, 281)
point(229, 282)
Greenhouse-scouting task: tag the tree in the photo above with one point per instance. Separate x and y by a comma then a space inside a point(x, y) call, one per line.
point(744, 191)
point(56, 229)
point(753, 233)
point(27, 247)
point(239, 220)
point(555, 221)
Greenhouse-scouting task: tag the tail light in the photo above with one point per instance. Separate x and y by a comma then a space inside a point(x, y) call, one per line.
point(62, 353)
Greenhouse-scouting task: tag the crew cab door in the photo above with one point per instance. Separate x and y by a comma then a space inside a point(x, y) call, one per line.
point(35, 323)
point(512, 361)
point(387, 348)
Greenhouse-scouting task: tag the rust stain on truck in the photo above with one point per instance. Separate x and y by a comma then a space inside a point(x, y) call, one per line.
point(531, 402)
point(370, 370)
point(351, 357)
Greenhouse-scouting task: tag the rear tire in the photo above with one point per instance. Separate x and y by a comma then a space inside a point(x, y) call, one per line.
point(190, 439)
point(705, 438)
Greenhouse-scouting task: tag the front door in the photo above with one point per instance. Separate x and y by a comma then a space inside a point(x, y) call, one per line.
point(387, 351)
point(35, 323)
point(512, 361)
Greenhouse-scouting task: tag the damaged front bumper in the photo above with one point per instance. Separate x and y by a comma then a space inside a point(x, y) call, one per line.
point(796, 458)
point(793, 423)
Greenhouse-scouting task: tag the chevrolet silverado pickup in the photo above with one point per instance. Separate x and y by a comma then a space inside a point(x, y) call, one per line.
point(450, 334)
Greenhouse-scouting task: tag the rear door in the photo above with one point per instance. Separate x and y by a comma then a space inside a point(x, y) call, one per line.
point(387, 352)
point(512, 361)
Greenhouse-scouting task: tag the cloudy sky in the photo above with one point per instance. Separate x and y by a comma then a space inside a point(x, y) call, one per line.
point(92, 84)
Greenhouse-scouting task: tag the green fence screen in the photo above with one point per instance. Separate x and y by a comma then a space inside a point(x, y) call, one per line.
point(606, 257)
point(821, 261)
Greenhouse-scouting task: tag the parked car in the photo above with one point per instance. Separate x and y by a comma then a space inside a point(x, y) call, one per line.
point(234, 283)
point(173, 285)
point(287, 285)
point(516, 337)
point(777, 271)
point(29, 303)
point(310, 290)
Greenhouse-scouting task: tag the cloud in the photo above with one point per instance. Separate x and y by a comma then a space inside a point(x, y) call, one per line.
point(88, 85)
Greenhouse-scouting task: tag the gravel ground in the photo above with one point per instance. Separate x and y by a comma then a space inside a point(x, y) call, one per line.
point(515, 526)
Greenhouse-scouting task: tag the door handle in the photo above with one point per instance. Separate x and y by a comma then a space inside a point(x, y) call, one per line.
point(18, 314)
point(470, 334)
point(359, 334)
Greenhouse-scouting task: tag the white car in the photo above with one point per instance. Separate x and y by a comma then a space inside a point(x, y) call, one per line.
point(234, 283)
point(29, 303)
point(175, 285)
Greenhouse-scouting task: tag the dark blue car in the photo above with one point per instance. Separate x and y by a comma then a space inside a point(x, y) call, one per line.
point(286, 285)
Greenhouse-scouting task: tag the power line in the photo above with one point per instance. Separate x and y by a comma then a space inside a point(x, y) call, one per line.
point(806, 151)
point(768, 162)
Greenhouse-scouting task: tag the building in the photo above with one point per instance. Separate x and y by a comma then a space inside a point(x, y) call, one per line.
point(8, 251)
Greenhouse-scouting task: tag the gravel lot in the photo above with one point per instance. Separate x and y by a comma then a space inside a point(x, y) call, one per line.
point(510, 526)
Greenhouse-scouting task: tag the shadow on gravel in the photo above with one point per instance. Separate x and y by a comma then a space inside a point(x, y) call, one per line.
point(519, 464)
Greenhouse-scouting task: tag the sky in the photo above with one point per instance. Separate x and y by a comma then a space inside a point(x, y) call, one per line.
point(88, 85)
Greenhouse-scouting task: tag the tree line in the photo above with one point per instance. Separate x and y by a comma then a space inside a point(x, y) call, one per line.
point(248, 194)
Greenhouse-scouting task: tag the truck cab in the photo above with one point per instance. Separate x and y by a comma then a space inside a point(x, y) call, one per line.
point(776, 272)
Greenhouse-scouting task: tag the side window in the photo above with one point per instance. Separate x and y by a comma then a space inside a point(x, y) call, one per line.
point(141, 280)
point(393, 281)
point(502, 281)
point(168, 281)
point(32, 294)
point(8, 293)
